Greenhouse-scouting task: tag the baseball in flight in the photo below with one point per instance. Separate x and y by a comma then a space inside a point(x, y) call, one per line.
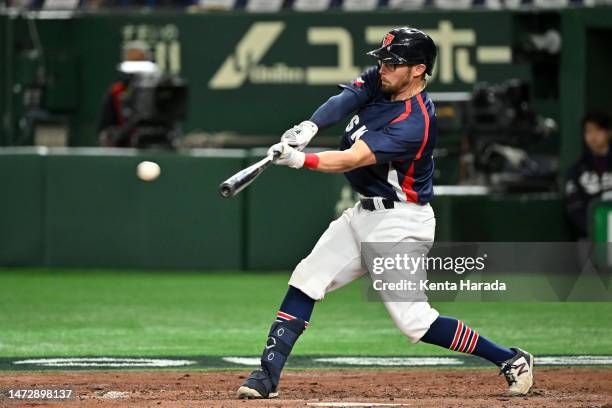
point(148, 170)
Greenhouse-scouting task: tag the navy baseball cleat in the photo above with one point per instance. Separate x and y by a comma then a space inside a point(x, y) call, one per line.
point(258, 385)
point(518, 372)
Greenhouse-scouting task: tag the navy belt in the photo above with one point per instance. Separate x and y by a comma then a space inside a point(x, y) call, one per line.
point(368, 203)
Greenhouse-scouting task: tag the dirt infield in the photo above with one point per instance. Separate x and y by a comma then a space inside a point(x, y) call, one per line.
point(555, 387)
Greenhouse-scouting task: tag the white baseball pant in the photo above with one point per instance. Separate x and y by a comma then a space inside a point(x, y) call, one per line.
point(335, 260)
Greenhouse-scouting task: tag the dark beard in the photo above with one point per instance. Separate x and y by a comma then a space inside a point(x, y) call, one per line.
point(385, 90)
point(388, 92)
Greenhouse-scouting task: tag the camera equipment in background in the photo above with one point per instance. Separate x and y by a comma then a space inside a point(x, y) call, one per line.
point(154, 104)
point(501, 127)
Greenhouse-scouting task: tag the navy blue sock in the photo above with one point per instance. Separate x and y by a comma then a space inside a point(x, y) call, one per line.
point(455, 335)
point(296, 304)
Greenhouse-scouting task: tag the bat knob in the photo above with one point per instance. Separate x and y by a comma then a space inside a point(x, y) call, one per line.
point(226, 190)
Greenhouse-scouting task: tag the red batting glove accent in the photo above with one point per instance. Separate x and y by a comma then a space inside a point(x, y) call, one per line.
point(311, 161)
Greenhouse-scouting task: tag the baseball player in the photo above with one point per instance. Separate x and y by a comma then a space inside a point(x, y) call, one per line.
point(386, 154)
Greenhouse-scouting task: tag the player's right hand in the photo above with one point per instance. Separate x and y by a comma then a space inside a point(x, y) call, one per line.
point(287, 155)
point(300, 135)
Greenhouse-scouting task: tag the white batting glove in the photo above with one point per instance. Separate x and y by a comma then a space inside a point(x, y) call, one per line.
point(300, 135)
point(288, 155)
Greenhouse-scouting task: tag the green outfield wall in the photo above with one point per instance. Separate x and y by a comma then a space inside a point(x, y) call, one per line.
point(85, 207)
point(22, 182)
point(500, 218)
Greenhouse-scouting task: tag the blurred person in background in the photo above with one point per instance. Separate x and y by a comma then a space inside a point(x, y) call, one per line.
point(114, 128)
point(591, 176)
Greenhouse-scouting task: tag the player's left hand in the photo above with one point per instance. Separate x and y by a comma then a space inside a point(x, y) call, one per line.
point(288, 155)
point(300, 135)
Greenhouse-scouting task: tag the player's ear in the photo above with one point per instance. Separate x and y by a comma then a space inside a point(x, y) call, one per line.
point(419, 70)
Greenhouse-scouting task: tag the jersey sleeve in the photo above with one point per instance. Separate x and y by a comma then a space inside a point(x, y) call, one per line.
point(335, 109)
point(365, 86)
point(404, 140)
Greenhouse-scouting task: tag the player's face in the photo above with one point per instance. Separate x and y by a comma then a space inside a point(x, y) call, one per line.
point(396, 78)
point(393, 77)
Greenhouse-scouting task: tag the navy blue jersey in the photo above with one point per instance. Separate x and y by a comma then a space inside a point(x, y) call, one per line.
point(402, 136)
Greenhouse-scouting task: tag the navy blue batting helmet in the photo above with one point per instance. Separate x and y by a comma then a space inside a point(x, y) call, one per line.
point(407, 46)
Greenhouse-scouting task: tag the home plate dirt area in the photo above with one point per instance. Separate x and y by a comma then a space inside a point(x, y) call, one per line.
point(554, 387)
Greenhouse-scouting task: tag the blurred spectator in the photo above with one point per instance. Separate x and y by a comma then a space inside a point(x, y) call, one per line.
point(591, 176)
point(113, 125)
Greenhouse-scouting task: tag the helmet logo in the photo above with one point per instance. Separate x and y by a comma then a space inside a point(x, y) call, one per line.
point(387, 40)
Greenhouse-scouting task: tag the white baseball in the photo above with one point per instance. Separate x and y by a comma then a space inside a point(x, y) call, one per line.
point(148, 171)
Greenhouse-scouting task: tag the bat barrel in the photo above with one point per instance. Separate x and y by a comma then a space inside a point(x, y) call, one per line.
point(226, 190)
point(243, 178)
